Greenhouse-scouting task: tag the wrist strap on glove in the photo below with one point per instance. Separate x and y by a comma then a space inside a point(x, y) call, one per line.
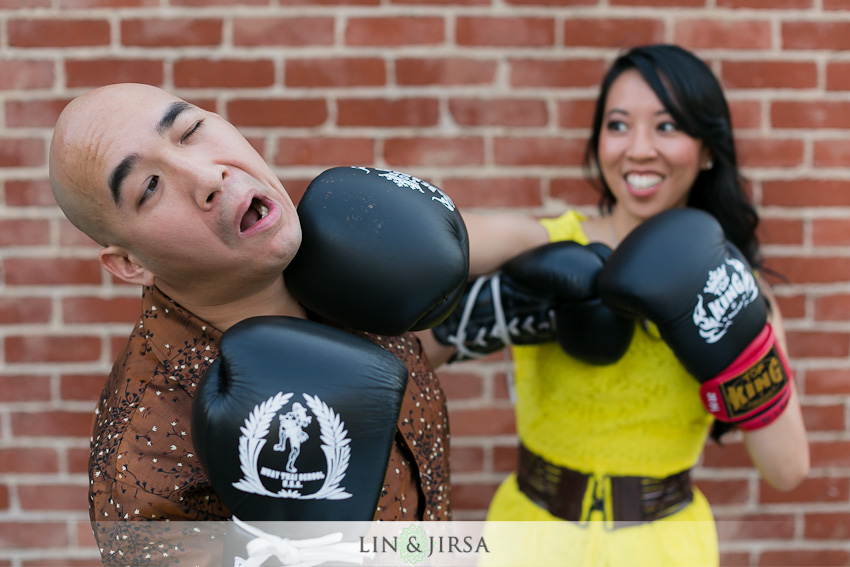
point(754, 390)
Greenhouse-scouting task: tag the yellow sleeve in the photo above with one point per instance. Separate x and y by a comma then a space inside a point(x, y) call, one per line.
point(565, 227)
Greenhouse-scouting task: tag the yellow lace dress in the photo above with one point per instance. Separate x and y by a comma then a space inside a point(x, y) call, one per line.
point(640, 416)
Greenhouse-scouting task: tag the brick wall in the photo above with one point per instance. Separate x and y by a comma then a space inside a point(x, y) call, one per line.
point(489, 99)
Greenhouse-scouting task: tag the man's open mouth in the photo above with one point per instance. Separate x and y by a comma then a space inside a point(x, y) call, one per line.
point(255, 213)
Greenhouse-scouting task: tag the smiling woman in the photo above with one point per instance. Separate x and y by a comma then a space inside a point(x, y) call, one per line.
point(606, 449)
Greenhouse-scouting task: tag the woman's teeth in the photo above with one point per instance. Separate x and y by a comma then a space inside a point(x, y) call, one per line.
point(643, 181)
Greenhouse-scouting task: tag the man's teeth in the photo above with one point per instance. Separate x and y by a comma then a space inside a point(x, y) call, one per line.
point(643, 181)
point(261, 209)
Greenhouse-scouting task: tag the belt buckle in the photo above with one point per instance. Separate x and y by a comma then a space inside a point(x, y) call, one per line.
point(598, 499)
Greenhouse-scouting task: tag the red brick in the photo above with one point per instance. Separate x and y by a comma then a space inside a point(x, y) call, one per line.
point(505, 458)
point(445, 71)
point(79, 4)
point(324, 73)
point(757, 74)
point(81, 386)
point(831, 153)
point(52, 271)
point(817, 344)
point(505, 32)
point(810, 490)
point(29, 193)
point(24, 388)
point(612, 32)
point(325, 151)
point(829, 453)
point(829, 35)
point(410, 112)
point(486, 421)
point(22, 152)
point(508, 192)
point(67, 562)
point(745, 114)
point(64, 32)
point(722, 34)
point(532, 73)
point(811, 269)
point(830, 232)
point(232, 73)
point(574, 192)
point(466, 459)
point(659, 3)
point(805, 557)
point(4, 504)
point(827, 381)
point(171, 32)
point(37, 535)
point(499, 112)
point(804, 192)
point(295, 31)
point(69, 235)
point(830, 525)
point(824, 418)
point(97, 72)
point(100, 309)
point(31, 460)
point(780, 231)
point(26, 74)
point(576, 113)
point(810, 114)
point(455, 151)
point(558, 3)
point(78, 461)
point(766, 4)
point(52, 497)
point(24, 232)
point(725, 492)
point(728, 455)
point(755, 527)
point(20, 310)
point(770, 152)
point(52, 348)
point(394, 31)
point(290, 113)
point(792, 307)
point(475, 496)
point(519, 150)
point(52, 424)
point(33, 113)
point(462, 385)
point(209, 3)
point(837, 76)
point(735, 559)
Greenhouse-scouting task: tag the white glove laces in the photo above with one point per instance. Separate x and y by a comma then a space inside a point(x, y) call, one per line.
point(500, 328)
point(298, 552)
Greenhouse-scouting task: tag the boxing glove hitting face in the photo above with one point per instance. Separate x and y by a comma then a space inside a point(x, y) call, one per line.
point(381, 251)
point(678, 270)
point(295, 421)
point(545, 294)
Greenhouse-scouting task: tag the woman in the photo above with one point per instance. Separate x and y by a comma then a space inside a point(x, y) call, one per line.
point(661, 139)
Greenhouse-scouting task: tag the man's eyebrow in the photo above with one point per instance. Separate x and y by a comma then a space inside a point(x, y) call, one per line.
point(119, 174)
point(167, 120)
point(123, 169)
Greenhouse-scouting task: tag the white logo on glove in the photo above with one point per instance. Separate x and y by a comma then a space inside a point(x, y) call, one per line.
point(723, 297)
point(335, 447)
point(411, 182)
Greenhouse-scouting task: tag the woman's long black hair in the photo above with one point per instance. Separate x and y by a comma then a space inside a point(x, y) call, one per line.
point(692, 95)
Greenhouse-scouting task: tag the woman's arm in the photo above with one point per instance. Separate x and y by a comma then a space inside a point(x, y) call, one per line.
point(780, 451)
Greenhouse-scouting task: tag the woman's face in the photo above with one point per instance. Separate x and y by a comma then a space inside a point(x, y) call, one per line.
point(646, 160)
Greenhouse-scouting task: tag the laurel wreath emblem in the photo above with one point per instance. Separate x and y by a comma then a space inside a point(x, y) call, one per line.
point(335, 445)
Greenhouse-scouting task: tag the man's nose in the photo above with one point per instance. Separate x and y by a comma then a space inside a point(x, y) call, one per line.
point(207, 180)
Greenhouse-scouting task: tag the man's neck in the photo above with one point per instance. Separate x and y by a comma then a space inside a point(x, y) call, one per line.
point(271, 300)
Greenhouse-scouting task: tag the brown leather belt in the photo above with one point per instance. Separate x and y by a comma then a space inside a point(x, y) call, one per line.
point(622, 500)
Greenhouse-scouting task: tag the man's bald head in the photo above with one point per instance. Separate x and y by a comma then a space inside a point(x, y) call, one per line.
point(83, 134)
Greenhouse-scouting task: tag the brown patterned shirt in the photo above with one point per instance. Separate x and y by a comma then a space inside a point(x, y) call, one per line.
point(143, 466)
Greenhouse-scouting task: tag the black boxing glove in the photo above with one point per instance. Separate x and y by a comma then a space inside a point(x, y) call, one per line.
point(295, 422)
point(591, 331)
point(677, 270)
point(381, 251)
point(522, 305)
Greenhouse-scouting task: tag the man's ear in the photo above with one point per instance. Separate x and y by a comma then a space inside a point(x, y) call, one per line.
point(123, 265)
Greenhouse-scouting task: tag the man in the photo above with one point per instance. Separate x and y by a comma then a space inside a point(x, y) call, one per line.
point(185, 207)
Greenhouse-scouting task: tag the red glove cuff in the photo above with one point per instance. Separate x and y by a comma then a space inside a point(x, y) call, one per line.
point(754, 390)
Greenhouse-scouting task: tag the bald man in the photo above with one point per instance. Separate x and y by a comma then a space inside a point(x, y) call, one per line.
point(165, 187)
